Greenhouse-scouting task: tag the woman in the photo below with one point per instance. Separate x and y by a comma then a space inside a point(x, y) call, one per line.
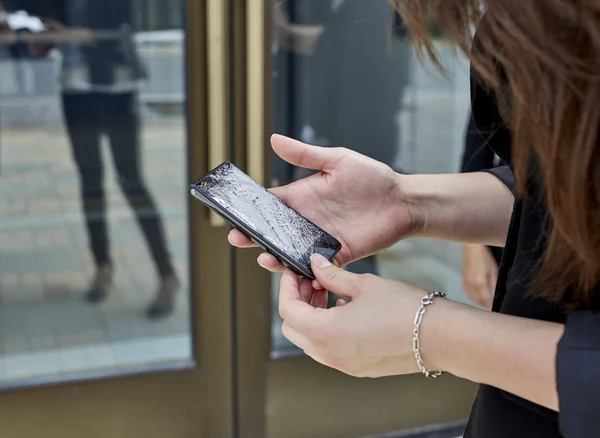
point(99, 80)
point(535, 93)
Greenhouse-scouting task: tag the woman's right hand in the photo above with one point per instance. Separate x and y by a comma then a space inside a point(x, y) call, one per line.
point(357, 200)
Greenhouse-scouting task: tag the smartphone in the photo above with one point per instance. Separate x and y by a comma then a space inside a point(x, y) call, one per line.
point(266, 219)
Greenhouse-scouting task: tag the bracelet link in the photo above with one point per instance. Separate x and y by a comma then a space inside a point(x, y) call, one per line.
point(425, 301)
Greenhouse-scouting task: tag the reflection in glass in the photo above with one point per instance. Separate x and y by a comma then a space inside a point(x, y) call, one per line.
point(344, 74)
point(93, 224)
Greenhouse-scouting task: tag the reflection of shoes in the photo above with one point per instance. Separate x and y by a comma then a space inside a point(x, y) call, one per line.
point(98, 290)
point(165, 298)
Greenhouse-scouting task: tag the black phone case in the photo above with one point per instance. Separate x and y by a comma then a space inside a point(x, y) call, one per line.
point(266, 219)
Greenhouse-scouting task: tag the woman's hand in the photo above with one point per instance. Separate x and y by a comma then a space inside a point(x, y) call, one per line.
point(479, 274)
point(371, 336)
point(357, 200)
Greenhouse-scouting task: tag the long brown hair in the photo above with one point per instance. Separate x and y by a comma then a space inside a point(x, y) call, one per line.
point(549, 53)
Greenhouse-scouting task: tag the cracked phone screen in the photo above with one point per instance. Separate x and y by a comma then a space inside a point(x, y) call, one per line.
point(267, 215)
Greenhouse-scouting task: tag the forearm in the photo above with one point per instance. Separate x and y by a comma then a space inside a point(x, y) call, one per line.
point(469, 207)
point(517, 355)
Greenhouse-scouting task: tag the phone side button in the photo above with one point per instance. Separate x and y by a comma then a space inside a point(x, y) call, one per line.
point(259, 245)
point(292, 268)
point(276, 256)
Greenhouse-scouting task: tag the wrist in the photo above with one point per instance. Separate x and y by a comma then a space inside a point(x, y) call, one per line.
point(415, 198)
point(439, 341)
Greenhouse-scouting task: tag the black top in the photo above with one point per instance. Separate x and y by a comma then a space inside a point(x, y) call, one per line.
point(105, 55)
point(477, 156)
point(497, 414)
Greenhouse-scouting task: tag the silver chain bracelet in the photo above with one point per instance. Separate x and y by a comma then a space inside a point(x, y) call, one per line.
point(425, 301)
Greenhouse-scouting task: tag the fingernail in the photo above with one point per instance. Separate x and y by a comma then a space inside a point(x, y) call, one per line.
point(259, 263)
point(319, 261)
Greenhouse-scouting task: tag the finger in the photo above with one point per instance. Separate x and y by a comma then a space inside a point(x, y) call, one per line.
point(480, 294)
point(472, 290)
point(488, 302)
point(319, 286)
point(333, 278)
point(237, 238)
point(270, 262)
point(306, 290)
point(320, 298)
point(300, 341)
point(294, 336)
point(492, 280)
point(484, 300)
point(292, 309)
point(301, 154)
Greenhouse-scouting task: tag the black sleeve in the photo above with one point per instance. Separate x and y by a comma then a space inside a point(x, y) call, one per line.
point(504, 174)
point(578, 376)
point(486, 115)
point(477, 154)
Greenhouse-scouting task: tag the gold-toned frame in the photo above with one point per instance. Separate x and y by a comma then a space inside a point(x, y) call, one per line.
point(218, 73)
point(197, 402)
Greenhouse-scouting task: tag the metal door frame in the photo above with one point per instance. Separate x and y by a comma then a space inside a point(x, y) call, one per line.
point(193, 402)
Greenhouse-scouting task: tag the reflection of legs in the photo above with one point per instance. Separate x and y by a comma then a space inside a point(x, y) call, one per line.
point(19, 72)
point(124, 139)
point(84, 133)
point(123, 130)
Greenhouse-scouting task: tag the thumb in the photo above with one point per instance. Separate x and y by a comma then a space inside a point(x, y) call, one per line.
point(334, 279)
point(304, 155)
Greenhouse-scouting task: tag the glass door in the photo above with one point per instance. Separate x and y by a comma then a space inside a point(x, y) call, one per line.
point(342, 73)
point(115, 304)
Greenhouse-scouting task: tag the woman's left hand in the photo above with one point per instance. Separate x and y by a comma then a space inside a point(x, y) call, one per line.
point(370, 336)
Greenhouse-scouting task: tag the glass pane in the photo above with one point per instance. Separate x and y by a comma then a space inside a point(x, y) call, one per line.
point(342, 77)
point(93, 170)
